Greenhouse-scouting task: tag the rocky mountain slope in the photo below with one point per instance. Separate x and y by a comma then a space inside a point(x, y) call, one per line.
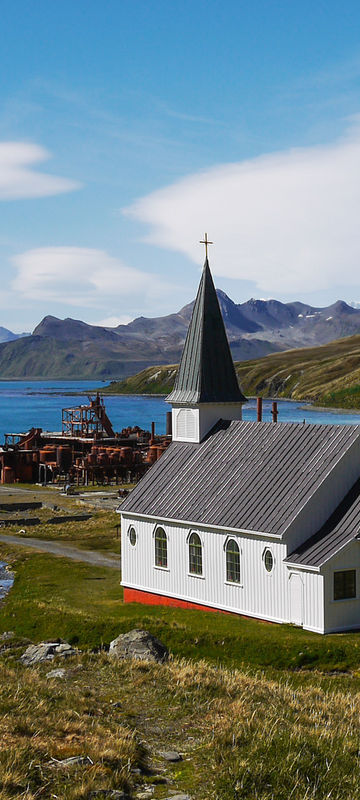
point(328, 375)
point(70, 348)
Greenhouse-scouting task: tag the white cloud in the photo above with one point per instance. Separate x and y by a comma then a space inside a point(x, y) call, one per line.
point(113, 322)
point(20, 179)
point(289, 221)
point(79, 276)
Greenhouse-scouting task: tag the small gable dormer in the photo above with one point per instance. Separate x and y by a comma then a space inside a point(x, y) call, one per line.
point(206, 387)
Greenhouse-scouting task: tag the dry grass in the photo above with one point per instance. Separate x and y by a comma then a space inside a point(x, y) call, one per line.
point(241, 736)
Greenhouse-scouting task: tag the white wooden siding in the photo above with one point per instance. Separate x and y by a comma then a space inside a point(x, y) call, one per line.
point(260, 594)
point(191, 424)
point(341, 615)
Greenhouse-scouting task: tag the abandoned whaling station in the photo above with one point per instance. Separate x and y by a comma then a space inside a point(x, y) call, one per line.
point(86, 450)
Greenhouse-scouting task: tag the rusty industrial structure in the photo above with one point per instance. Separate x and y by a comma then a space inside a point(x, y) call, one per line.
point(86, 450)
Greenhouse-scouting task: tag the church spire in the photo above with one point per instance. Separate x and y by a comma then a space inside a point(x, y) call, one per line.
point(206, 373)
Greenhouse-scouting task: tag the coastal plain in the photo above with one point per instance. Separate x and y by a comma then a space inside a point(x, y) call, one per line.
point(256, 710)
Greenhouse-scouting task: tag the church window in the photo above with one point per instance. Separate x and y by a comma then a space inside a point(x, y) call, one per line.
point(160, 548)
point(345, 584)
point(132, 536)
point(195, 554)
point(232, 562)
point(268, 560)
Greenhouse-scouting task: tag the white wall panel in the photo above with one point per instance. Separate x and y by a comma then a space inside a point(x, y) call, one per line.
point(260, 593)
point(342, 614)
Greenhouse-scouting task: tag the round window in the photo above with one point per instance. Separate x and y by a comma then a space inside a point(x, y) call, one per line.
point(268, 560)
point(132, 536)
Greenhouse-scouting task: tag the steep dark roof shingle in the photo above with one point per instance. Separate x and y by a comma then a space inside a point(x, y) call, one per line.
point(206, 373)
point(244, 475)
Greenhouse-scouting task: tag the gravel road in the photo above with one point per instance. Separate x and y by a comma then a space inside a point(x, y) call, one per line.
point(59, 549)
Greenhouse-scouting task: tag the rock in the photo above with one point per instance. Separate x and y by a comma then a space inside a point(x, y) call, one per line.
point(46, 651)
point(7, 635)
point(114, 794)
point(73, 761)
point(140, 645)
point(178, 797)
point(56, 673)
point(171, 755)
point(146, 793)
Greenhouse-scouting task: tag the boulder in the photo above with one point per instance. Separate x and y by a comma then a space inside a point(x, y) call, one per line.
point(171, 755)
point(140, 645)
point(57, 673)
point(46, 651)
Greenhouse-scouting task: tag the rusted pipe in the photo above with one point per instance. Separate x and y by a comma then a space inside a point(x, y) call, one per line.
point(259, 408)
point(274, 411)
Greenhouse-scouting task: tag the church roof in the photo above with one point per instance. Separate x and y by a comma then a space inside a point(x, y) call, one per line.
point(244, 475)
point(341, 528)
point(206, 373)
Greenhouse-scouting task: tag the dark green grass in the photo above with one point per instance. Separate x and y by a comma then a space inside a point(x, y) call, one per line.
point(54, 597)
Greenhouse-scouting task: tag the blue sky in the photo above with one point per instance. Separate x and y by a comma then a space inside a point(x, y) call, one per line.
point(127, 129)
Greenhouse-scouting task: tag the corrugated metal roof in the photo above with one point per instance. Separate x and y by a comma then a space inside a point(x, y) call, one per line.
point(206, 373)
point(245, 475)
point(340, 529)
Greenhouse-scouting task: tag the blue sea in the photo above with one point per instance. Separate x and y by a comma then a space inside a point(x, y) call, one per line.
point(26, 404)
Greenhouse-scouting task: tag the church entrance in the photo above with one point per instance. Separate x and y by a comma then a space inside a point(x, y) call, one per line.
point(296, 590)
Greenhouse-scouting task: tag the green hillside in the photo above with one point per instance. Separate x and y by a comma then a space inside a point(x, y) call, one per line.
point(328, 375)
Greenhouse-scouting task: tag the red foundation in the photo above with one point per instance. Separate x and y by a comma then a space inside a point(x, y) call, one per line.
point(150, 599)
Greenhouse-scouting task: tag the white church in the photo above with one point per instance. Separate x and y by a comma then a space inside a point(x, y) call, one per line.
point(254, 518)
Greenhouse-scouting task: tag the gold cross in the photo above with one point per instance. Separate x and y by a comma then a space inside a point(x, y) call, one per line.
point(205, 241)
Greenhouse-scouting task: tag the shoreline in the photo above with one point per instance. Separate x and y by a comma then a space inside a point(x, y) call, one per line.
point(332, 409)
point(305, 407)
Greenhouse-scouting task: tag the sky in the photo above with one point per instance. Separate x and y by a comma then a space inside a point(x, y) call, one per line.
point(128, 128)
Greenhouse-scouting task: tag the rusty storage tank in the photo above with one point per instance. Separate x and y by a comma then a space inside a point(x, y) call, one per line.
point(8, 475)
point(64, 457)
point(151, 454)
point(127, 455)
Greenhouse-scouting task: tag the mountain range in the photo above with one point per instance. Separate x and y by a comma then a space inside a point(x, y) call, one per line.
point(70, 348)
point(9, 336)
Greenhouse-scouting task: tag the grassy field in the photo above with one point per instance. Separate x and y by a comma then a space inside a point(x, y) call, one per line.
point(100, 532)
point(54, 597)
point(327, 376)
point(257, 710)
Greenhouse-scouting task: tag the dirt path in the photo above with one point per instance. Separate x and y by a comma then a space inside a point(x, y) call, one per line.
point(59, 549)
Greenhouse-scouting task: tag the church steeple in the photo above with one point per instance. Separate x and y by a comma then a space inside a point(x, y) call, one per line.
point(206, 379)
point(206, 373)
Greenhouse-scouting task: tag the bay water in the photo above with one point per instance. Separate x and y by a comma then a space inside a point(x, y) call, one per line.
point(26, 404)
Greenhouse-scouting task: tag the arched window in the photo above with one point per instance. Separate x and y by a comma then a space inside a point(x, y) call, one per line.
point(195, 554)
point(160, 548)
point(232, 562)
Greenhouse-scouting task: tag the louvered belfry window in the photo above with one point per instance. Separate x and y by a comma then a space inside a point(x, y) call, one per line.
point(160, 548)
point(195, 554)
point(232, 562)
